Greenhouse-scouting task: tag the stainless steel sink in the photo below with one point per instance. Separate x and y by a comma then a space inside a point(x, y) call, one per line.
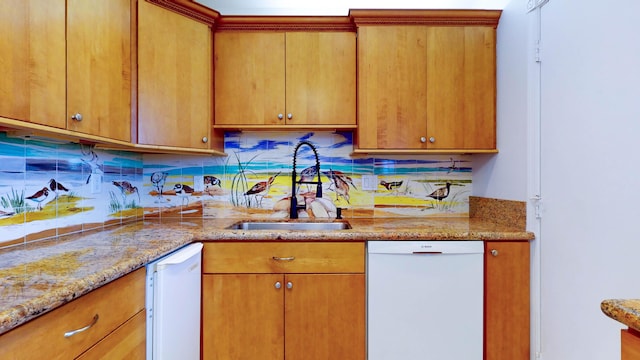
point(293, 226)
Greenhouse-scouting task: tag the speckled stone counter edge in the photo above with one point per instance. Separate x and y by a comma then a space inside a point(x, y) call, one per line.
point(626, 311)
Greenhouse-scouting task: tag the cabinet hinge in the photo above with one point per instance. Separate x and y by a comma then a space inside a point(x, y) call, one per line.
point(537, 206)
point(538, 50)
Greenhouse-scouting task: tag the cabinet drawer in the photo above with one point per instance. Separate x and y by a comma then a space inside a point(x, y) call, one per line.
point(43, 337)
point(126, 342)
point(274, 257)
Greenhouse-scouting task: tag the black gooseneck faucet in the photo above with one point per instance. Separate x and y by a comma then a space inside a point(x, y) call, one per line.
point(293, 213)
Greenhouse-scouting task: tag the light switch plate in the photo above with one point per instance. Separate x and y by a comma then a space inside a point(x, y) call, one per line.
point(370, 182)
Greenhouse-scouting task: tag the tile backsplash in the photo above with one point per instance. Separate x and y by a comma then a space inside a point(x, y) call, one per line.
point(50, 188)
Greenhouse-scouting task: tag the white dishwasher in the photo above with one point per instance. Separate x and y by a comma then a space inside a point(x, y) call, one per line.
point(425, 300)
point(173, 305)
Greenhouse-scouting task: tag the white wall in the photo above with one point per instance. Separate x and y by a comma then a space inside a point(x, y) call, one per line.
point(504, 176)
point(587, 247)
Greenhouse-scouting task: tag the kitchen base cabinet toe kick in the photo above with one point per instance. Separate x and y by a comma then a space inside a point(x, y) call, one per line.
point(283, 301)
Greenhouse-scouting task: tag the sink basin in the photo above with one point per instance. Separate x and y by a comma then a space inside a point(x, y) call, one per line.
point(294, 226)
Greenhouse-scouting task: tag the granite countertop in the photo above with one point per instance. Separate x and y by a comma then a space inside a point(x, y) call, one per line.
point(626, 311)
point(39, 276)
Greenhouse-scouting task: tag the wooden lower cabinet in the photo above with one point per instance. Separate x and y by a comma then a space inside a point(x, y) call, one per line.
point(314, 313)
point(507, 309)
point(242, 316)
point(630, 343)
point(325, 315)
point(119, 307)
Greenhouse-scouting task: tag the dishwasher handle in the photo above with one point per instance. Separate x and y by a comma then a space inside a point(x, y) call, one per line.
point(427, 252)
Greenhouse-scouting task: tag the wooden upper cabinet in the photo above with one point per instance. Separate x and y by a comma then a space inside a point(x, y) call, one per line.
point(461, 86)
point(99, 67)
point(249, 78)
point(65, 58)
point(175, 99)
point(321, 78)
point(392, 86)
point(268, 75)
point(32, 57)
point(426, 80)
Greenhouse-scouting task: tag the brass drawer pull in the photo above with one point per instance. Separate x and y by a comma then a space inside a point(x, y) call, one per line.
point(288, 258)
point(69, 334)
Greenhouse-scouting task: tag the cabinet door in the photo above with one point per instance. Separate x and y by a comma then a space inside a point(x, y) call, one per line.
point(242, 317)
point(32, 57)
point(321, 78)
point(461, 87)
point(99, 67)
point(506, 300)
point(249, 78)
point(175, 96)
point(325, 316)
point(392, 87)
point(630, 343)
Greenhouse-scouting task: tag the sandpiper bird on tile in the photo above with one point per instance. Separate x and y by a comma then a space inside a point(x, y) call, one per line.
point(158, 179)
point(212, 180)
point(183, 191)
point(391, 185)
point(344, 177)
point(126, 189)
point(441, 193)
point(56, 187)
point(40, 196)
point(340, 183)
point(261, 189)
point(308, 174)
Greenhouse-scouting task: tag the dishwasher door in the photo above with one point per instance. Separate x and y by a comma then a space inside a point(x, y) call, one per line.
point(425, 300)
point(173, 305)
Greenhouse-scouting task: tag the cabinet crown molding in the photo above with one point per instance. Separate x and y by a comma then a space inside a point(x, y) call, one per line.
point(426, 17)
point(285, 23)
point(190, 9)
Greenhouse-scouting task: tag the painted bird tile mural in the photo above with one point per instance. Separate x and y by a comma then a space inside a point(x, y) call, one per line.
point(48, 184)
